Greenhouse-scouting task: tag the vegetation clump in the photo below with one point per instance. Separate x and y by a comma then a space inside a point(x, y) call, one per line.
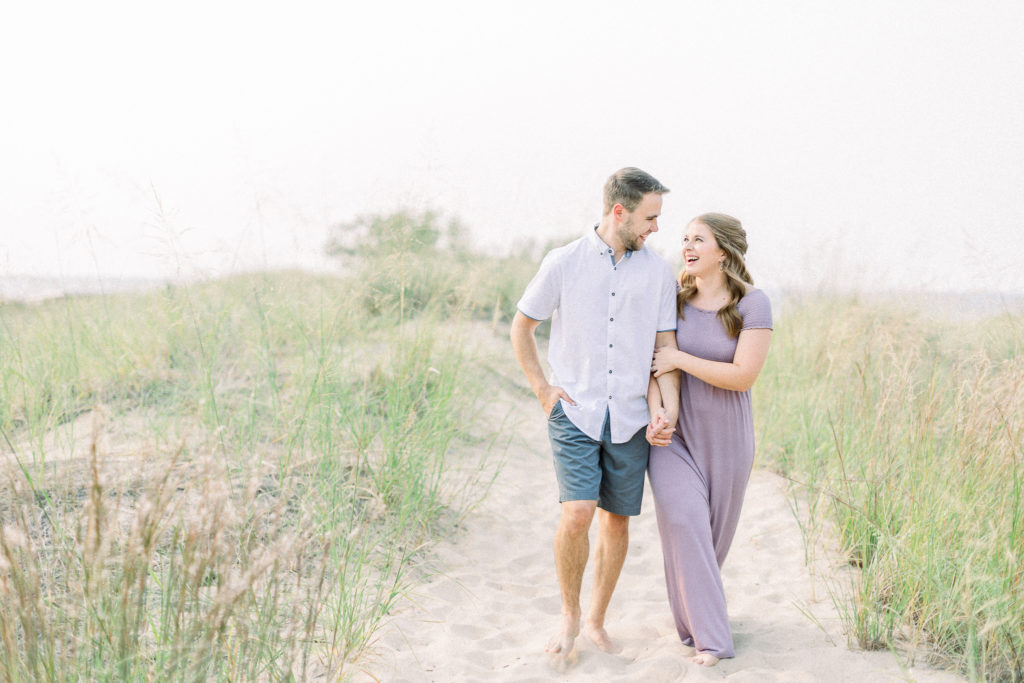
point(906, 433)
point(237, 479)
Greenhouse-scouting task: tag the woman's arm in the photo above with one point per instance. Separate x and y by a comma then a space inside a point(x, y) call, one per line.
point(739, 375)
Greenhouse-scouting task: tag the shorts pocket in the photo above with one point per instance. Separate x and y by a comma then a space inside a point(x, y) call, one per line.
point(556, 410)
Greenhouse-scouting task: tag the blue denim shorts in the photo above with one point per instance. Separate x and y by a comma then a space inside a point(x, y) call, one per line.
point(610, 473)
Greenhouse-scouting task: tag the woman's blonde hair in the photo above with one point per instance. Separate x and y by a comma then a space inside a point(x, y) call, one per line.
point(732, 239)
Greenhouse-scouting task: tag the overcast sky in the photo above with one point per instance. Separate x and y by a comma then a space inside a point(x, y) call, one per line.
point(869, 144)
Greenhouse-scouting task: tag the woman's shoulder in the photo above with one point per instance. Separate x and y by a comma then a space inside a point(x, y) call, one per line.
point(754, 296)
point(755, 303)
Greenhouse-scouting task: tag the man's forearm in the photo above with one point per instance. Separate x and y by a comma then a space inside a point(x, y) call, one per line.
point(668, 384)
point(524, 346)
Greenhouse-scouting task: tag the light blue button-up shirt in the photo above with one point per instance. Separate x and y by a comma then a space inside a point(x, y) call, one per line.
point(604, 319)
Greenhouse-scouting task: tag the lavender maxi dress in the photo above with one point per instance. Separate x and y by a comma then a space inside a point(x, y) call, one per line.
point(699, 479)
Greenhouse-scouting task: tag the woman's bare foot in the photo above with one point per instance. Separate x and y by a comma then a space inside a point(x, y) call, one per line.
point(704, 659)
point(562, 647)
point(600, 637)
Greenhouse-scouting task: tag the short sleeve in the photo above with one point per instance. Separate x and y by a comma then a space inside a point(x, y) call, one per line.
point(667, 306)
point(542, 295)
point(756, 311)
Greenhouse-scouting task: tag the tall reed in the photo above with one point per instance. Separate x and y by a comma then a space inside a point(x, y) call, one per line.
point(906, 432)
point(231, 480)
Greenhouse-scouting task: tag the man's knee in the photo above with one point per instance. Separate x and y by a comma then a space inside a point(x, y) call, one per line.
point(612, 525)
point(577, 515)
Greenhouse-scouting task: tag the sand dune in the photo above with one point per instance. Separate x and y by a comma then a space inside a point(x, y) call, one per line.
point(489, 612)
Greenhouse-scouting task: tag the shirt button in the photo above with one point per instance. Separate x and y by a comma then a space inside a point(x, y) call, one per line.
point(613, 293)
point(611, 319)
point(609, 398)
point(609, 372)
point(609, 346)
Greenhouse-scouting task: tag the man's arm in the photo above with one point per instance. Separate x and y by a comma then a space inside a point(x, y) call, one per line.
point(524, 345)
point(668, 383)
point(659, 433)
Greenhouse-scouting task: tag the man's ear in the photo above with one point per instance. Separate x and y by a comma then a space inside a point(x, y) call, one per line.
point(618, 211)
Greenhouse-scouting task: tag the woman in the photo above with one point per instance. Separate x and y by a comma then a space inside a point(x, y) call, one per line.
point(699, 471)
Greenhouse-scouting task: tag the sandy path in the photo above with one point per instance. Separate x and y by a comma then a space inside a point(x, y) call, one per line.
point(487, 616)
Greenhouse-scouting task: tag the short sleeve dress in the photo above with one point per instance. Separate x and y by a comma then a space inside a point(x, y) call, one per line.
point(700, 478)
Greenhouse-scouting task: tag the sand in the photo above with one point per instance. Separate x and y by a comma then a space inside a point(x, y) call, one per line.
point(488, 612)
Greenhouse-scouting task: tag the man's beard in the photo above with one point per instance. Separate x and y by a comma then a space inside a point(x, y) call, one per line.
point(629, 240)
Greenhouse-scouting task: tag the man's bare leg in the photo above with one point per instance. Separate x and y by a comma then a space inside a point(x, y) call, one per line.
point(609, 555)
point(572, 546)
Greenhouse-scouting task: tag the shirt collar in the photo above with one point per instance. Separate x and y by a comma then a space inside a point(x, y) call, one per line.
point(599, 246)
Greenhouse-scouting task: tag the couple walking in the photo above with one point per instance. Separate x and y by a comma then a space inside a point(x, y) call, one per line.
point(650, 374)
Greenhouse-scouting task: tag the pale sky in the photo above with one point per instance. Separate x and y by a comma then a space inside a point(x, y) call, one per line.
point(863, 144)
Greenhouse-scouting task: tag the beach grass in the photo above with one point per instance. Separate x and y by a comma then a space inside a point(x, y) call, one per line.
point(237, 479)
point(904, 433)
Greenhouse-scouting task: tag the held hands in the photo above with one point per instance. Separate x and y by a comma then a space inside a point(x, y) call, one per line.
point(666, 359)
point(659, 431)
point(549, 396)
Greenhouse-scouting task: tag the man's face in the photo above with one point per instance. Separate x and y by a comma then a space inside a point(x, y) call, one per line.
point(638, 224)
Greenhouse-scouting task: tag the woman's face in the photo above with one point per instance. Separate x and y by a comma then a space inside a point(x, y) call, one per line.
point(701, 254)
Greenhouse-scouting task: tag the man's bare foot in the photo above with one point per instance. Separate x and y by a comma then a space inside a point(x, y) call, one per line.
point(601, 639)
point(704, 659)
point(562, 647)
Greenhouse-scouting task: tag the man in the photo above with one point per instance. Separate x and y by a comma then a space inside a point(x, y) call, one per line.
point(612, 301)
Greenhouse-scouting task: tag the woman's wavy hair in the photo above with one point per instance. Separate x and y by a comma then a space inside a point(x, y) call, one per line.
point(732, 239)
